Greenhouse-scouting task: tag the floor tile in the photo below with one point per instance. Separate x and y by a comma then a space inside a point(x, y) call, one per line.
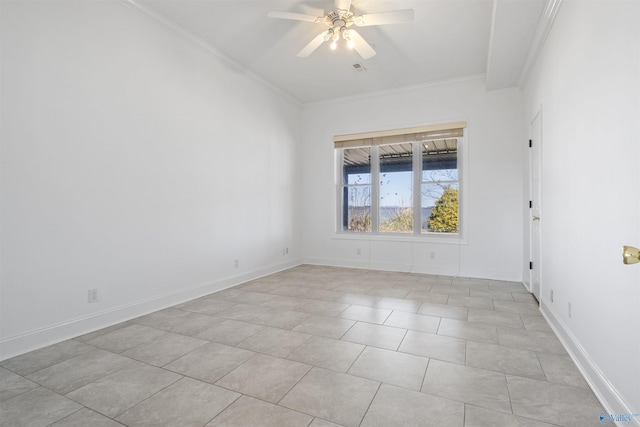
point(251, 298)
point(276, 351)
point(80, 370)
point(375, 335)
point(399, 369)
point(243, 312)
point(323, 294)
point(497, 285)
point(414, 322)
point(187, 402)
point(395, 406)
point(503, 359)
point(273, 341)
point(261, 286)
point(524, 297)
point(91, 335)
point(265, 377)
point(35, 408)
point(538, 341)
point(449, 290)
point(248, 411)
point(468, 330)
point(359, 299)
point(210, 362)
point(86, 418)
point(327, 353)
point(536, 323)
point(561, 369)
point(436, 280)
point(229, 332)
point(399, 304)
point(332, 396)
point(475, 416)
point(13, 384)
point(554, 403)
point(443, 310)
point(325, 326)
point(284, 319)
point(322, 308)
point(120, 390)
point(208, 306)
point(517, 307)
point(471, 282)
point(178, 321)
point(428, 297)
point(317, 422)
point(470, 302)
point(469, 385)
point(366, 314)
point(125, 338)
point(434, 346)
point(479, 293)
point(389, 292)
point(39, 359)
point(228, 294)
point(164, 349)
point(287, 302)
point(498, 318)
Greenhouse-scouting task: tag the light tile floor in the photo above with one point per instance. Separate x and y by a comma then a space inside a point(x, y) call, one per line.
point(313, 346)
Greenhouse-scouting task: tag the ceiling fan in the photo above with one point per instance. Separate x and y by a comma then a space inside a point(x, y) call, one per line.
point(339, 22)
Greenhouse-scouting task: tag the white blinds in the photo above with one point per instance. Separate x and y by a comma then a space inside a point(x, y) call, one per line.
point(423, 133)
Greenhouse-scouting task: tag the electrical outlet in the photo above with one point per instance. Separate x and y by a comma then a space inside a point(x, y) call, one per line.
point(569, 309)
point(236, 263)
point(93, 295)
point(358, 251)
point(551, 295)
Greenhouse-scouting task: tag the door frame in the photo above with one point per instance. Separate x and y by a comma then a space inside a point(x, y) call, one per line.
point(535, 207)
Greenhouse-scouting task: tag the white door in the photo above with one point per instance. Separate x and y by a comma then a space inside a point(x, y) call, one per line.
point(535, 157)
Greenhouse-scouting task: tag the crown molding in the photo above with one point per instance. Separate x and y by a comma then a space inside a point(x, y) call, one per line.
point(542, 31)
point(208, 47)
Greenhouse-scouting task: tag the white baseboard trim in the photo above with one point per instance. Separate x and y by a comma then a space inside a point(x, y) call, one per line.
point(434, 269)
point(609, 397)
point(33, 340)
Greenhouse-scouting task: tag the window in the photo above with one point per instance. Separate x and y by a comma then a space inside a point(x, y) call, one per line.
point(384, 176)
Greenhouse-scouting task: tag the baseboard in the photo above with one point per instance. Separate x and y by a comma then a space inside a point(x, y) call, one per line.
point(609, 397)
point(433, 269)
point(33, 340)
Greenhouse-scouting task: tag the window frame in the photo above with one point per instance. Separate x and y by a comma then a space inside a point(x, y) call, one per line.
point(416, 234)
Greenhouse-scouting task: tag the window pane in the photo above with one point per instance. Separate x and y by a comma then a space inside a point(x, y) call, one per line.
point(356, 167)
point(440, 160)
point(357, 208)
point(440, 208)
point(442, 175)
point(396, 188)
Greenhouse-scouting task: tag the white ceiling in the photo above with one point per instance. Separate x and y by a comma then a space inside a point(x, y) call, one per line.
point(448, 39)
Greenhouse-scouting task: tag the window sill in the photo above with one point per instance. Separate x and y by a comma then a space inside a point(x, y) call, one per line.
point(456, 239)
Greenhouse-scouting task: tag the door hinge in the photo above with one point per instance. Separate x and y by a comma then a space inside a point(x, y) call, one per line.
point(530, 144)
point(530, 204)
point(530, 265)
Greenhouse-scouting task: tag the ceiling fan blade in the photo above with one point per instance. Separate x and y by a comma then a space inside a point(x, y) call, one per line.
point(313, 45)
point(360, 45)
point(295, 16)
point(384, 18)
point(343, 4)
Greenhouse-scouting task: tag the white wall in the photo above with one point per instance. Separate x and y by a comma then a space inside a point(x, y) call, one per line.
point(134, 162)
point(587, 83)
point(495, 143)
